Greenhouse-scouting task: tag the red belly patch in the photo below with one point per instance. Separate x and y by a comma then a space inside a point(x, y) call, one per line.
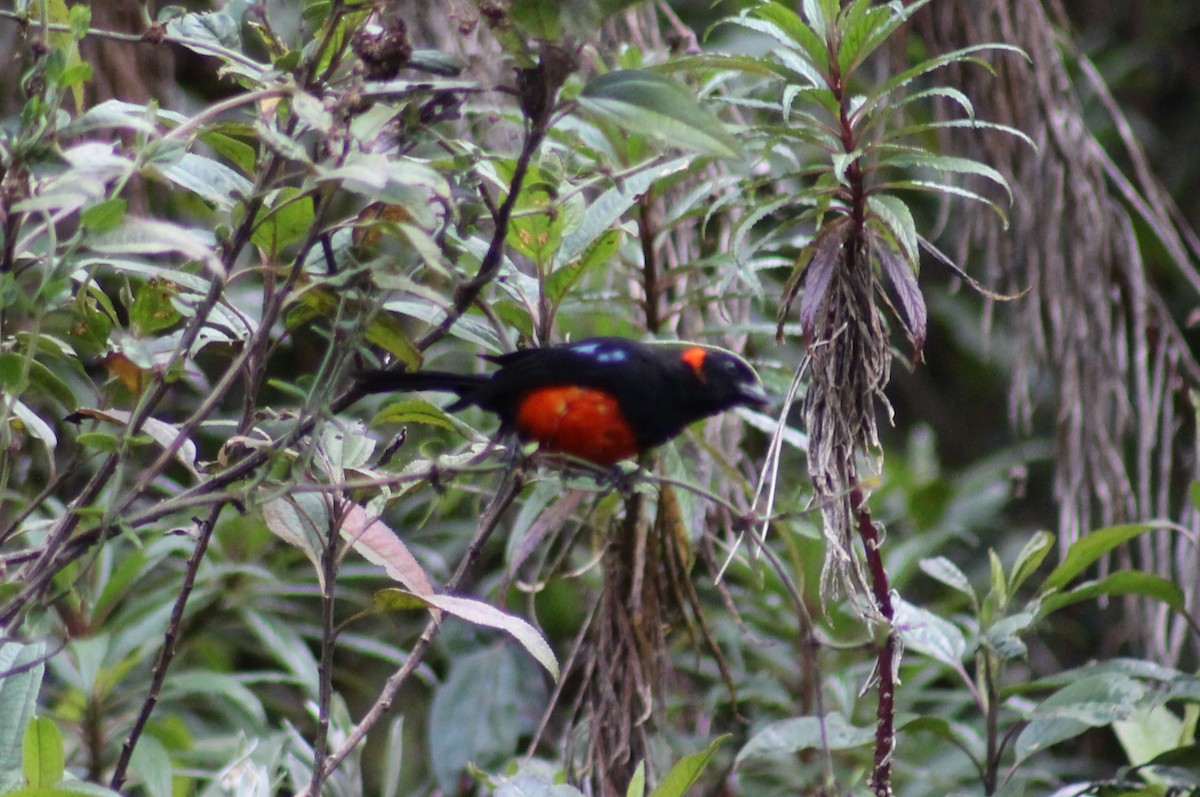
point(579, 421)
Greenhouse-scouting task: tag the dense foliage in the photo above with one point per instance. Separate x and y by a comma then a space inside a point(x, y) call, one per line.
point(220, 574)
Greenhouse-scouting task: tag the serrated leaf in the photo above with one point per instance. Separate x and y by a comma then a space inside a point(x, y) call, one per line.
point(876, 97)
point(605, 210)
point(796, 36)
point(919, 159)
point(894, 213)
point(600, 252)
point(654, 105)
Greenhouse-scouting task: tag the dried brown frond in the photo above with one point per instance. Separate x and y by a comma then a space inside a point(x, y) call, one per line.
point(1094, 325)
point(851, 358)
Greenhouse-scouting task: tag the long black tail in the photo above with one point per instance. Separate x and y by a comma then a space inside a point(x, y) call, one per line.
point(408, 381)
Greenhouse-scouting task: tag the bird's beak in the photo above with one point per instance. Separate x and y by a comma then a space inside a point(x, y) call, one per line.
point(753, 394)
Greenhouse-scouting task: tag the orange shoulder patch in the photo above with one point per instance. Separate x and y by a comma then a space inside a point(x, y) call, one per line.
point(695, 356)
point(579, 421)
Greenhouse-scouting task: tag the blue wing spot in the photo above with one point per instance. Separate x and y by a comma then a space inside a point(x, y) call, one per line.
point(602, 353)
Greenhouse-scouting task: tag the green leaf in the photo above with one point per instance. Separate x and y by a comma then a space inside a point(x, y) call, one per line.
point(207, 33)
point(475, 717)
point(926, 633)
point(791, 736)
point(879, 94)
point(301, 520)
point(43, 759)
point(238, 152)
point(1004, 636)
point(215, 686)
point(948, 573)
point(605, 210)
point(918, 159)
point(151, 764)
point(103, 216)
point(868, 28)
point(806, 45)
point(19, 688)
point(394, 181)
point(1087, 549)
point(637, 784)
point(11, 367)
point(211, 180)
point(537, 225)
point(1096, 699)
point(413, 411)
point(687, 771)
point(285, 218)
point(1126, 582)
point(894, 213)
point(1089, 702)
point(153, 309)
point(600, 252)
point(283, 642)
point(164, 434)
point(385, 331)
point(657, 106)
point(1029, 559)
point(143, 236)
point(1149, 733)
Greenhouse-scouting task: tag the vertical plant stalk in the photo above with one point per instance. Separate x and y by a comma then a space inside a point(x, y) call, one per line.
point(167, 652)
point(651, 276)
point(329, 569)
point(885, 663)
point(506, 493)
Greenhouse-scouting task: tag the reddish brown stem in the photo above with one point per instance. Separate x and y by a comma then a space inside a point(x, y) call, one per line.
point(885, 667)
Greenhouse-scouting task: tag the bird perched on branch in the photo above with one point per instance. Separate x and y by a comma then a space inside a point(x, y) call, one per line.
point(601, 399)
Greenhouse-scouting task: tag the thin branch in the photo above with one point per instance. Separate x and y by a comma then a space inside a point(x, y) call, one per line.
point(167, 652)
point(506, 493)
